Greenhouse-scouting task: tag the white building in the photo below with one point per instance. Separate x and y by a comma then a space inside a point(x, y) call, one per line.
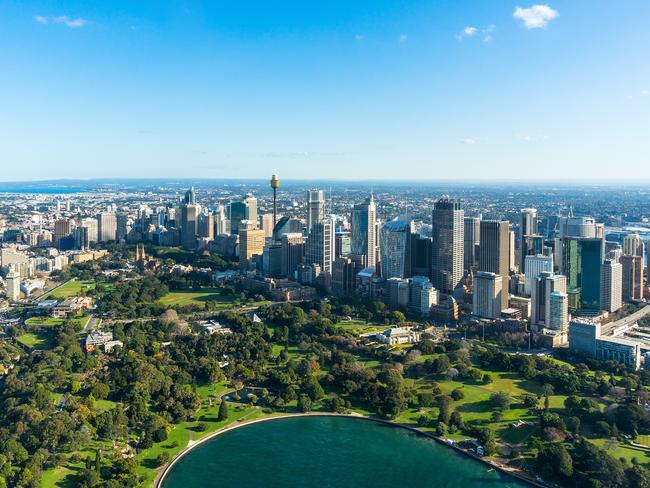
point(534, 266)
point(611, 286)
point(13, 285)
point(486, 299)
point(558, 318)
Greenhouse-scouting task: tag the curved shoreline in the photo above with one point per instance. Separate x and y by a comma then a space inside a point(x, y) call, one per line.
point(158, 482)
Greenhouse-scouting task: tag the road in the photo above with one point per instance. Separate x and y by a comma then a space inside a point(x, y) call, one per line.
point(92, 324)
point(625, 321)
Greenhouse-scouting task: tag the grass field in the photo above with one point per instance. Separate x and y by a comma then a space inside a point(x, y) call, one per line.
point(70, 289)
point(194, 297)
point(40, 340)
point(358, 326)
point(618, 450)
point(53, 322)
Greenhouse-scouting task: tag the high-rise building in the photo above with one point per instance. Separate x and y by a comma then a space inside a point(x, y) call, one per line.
point(107, 226)
point(471, 242)
point(582, 259)
point(319, 248)
point(241, 210)
point(190, 197)
point(275, 184)
point(543, 286)
point(611, 279)
point(558, 317)
point(447, 244)
point(632, 286)
point(251, 243)
point(422, 296)
point(205, 227)
point(81, 238)
point(315, 208)
point(62, 228)
point(122, 226)
point(189, 213)
point(293, 249)
point(343, 245)
point(486, 298)
point(266, 224)
point(93, 229)
point(343, 276)
point(13, 284)
point(494, 252)
point(220, 221)
point(529, 225)
point(534, 266)
point(272, 260)
point(633, 245)
point(421, 255)
point(395, 248)
point(362, 241)
point(251, 205)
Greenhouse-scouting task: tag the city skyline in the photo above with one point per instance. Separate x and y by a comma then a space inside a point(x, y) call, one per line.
point(327, 91)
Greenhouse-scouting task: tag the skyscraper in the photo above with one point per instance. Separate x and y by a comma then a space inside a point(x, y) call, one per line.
point(293, 249)
point(319, 248)
point(487, 296)
point(188, 224)
point(362, 241)
point(529, 222)
point(582, 258)
point(251, 243)
point(447, 246)
point(471, 241)
point(534, 266)
point(13, 284)
point(611, 278)
point(543, 286)
point(395, 248)
point(494, 252)
point(632, 287)
point(315, 207)
point(275, 184)
point(633, 245)
point(107, 226)
point(240, 210)
point(558, 318)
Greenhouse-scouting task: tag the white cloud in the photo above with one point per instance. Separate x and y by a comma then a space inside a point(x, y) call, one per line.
point(535, 17)
point(471, 31)
point(403, 38)
point(359, 37)
point(72, 23)
point(470, 141)
point(531, 138)
point(63, 20)
point(645, 93)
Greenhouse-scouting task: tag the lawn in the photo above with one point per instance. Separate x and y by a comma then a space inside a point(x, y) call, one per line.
point(197, 297)
point(40, 340)
point(620, 450)
point(53, 322)
point(358, 326)
point(71, 288)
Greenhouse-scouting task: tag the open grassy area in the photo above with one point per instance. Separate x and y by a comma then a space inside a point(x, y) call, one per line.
point(197, 297)
point(620, 450)
point(53, 322)
point(70, 289)
point(40, 340)
point(358, 326)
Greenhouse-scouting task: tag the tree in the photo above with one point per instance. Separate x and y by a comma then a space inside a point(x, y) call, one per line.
point(500, 400)
point(555, 461)
point(163, 458)
point(312, 388)
point(223, 411)
point(457, 394)
point(304, 403)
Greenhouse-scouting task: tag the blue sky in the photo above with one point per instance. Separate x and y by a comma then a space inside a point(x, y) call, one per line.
point(325, 89)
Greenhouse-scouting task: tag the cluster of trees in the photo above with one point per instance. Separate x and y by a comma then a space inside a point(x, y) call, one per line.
point(134, 298)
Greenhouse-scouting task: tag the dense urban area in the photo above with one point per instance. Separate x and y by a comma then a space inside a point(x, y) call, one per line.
point(508, 321)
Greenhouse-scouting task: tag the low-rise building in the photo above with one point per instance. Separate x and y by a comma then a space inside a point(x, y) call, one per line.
point(399, 335)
